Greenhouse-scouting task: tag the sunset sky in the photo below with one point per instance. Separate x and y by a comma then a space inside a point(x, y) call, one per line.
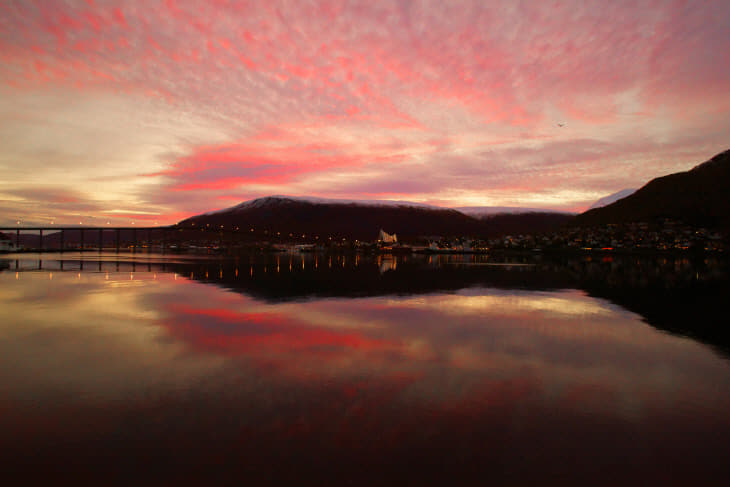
point(153, 111)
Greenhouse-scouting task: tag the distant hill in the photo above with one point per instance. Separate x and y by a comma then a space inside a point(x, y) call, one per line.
point(283, 215)
point(361, 220)
point(699, 196)
point(490, 211)
point(524, 223)
point(607, 200)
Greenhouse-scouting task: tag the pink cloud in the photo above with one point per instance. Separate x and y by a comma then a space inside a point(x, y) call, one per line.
point(275, 155)
point(473, 61)
point(486, 77)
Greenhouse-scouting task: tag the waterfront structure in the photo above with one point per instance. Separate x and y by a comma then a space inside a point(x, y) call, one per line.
point(7, 245)
point(387, 238)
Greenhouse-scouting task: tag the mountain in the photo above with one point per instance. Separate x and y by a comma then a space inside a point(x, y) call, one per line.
point(317, 200)
point(490, 211)
point(280, 216)
point(524, 223)
point(607, 200)
point(276, 217)
point(698, 197)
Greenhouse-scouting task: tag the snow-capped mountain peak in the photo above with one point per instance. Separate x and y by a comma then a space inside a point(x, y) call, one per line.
point(607, 200)
point(282, 199)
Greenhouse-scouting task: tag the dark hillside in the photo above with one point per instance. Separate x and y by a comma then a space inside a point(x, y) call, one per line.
point(700, 196)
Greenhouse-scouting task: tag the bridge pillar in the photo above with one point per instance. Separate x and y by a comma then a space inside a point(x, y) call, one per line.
point(117, 232)
point(101, 240)
point(40, 240)
point(82, 240)
point(62, 243)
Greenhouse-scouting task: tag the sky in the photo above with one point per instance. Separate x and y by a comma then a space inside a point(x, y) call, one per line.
point(150, 112)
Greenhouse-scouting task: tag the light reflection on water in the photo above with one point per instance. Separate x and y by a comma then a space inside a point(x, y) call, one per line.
point(116, 371)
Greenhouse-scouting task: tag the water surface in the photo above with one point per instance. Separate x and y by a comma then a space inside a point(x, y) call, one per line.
point(316, 369)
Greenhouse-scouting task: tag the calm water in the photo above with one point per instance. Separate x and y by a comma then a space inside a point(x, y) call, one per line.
point(344, 370)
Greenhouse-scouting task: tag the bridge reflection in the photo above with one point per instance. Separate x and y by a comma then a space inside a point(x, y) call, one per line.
point(674, 294)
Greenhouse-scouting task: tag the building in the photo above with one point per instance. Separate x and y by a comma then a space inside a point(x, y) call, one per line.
point(387, 238)
point(7, 245)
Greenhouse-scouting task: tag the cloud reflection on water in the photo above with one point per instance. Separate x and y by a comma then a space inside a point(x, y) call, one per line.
point(471, 370)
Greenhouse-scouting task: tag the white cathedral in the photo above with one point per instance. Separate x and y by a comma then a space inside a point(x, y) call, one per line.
point(387, 238)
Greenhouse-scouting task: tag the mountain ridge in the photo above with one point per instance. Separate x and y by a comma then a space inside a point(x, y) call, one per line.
point(698, 196)
point(481, 212)
point(612, 198)
point(284, 216)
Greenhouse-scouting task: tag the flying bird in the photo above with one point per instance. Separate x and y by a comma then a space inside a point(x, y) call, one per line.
point(561, 125)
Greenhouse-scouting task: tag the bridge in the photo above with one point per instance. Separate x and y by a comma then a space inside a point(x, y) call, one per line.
point(58, 235)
